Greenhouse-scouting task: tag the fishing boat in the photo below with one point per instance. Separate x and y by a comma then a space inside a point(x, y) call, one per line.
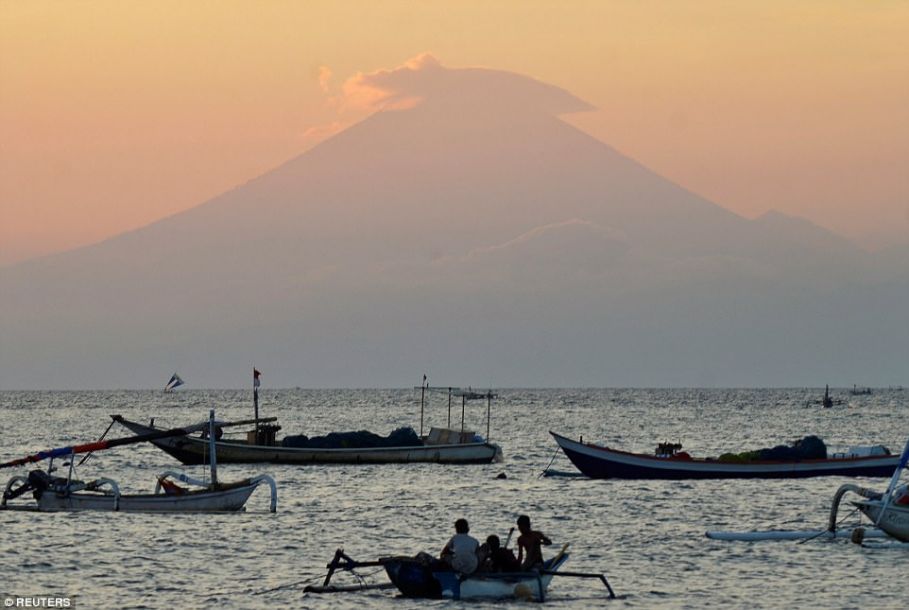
point(53, 493)
point(857, 391)
point(423, 577)
point(888, 512)
point(413, 578)
point(827, 401)
point(441, 445)
point(601, 462)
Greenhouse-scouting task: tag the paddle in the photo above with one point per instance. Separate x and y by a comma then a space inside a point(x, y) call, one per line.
point(508, 538)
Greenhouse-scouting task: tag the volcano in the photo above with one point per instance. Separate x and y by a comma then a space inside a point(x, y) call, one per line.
point(467, 229)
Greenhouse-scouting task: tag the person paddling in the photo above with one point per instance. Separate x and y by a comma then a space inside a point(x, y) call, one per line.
point(461, 551)
point(530, 553)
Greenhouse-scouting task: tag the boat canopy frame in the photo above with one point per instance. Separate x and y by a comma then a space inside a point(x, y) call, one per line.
point(456, 392)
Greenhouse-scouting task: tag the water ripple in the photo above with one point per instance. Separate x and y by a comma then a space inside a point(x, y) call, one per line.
point(646, 535)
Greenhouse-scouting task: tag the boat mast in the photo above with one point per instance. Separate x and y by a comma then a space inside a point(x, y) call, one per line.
point(488, 411)
point(211, 448)
point(449, 408)
point(256, 374)
point(422, 402)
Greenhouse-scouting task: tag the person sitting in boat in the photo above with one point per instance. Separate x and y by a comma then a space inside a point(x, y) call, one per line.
point(461, 551)
point(496, 558)
point(530, 552)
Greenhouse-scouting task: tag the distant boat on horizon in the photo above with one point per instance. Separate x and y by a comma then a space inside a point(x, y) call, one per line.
point(174, 382)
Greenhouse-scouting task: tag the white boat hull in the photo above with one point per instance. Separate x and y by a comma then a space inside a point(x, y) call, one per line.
point(479, 587)
point(895, 520)
point(193, 450)
point(227, 500)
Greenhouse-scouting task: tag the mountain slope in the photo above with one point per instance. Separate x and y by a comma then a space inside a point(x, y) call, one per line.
point(474, 231)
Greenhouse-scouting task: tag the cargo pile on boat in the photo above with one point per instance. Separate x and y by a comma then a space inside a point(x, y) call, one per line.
point(807, 448)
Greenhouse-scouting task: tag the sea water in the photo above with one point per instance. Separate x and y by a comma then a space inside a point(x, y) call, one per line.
point(646, 536)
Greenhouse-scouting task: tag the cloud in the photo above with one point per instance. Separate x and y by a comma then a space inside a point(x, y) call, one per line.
point(423, 79)
point(388, 89)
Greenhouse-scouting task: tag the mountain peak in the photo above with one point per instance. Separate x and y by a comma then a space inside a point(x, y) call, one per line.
point(424, 80)
point(469, 228)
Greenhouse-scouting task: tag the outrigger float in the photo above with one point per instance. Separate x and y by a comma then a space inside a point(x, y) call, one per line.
point(440, 445)
point(52, 493)
point(420, 577)
point(888, 512)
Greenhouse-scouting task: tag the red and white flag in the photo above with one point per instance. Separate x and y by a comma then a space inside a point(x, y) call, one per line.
point(256, 375)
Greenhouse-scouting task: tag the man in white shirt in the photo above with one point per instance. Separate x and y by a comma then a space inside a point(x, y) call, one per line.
point(461, 551)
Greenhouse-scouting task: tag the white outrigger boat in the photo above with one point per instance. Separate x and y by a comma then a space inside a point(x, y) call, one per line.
point(888, 511)
point(52, 493)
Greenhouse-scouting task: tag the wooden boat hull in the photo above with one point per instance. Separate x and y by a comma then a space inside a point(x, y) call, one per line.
point(415, 580)
point(895, 520)
point(222, 500)
point(604, 463)
point(192, 450)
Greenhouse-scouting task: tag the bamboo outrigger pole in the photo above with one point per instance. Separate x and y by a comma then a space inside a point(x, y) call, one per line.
point(100, 445)
point(600, 577)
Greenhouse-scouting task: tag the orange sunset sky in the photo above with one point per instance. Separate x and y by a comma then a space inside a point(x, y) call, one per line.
point(115, 114)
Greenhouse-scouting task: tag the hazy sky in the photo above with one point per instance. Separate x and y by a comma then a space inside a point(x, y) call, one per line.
point(115, 114)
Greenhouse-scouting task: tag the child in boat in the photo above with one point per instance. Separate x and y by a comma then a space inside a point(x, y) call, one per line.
point(498, 559)
point(530, 553)
point(461, 551)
